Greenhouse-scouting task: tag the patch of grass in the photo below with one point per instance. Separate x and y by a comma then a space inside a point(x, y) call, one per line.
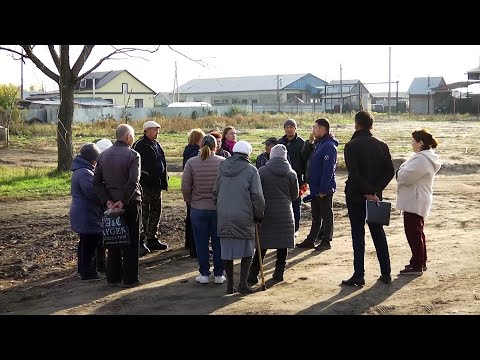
point(174, 183)
point(20, 183)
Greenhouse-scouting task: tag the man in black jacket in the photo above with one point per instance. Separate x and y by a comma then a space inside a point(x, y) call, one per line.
point(153, 179)
point(370, 169)
point(294, 145)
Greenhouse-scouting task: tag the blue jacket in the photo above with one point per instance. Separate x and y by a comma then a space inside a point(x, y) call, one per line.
point(85, 211)
point(322, 167)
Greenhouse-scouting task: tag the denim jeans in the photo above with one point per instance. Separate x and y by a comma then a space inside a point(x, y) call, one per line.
point(204, 223)
point(357, 214)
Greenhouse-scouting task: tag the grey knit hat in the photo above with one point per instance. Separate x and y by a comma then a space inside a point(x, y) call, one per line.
point(278, 151)
point(89, 151)
point(290, 122)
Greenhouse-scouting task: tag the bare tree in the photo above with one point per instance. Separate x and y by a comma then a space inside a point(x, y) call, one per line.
point(67, 78)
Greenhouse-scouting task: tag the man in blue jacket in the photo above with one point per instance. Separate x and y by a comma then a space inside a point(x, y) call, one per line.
point(322, 182)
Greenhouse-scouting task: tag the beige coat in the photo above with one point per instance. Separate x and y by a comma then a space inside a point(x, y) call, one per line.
point(415, 182)
point(198, 179)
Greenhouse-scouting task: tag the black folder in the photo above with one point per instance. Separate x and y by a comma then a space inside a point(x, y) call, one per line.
point(378, 214)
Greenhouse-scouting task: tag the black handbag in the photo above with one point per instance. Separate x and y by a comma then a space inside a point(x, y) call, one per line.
point(115, 231)
point(378, 214)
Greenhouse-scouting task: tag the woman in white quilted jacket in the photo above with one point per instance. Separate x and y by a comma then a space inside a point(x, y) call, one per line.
point(415, 194)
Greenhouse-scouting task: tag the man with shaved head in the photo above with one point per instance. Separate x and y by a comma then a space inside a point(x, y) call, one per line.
point(117, 184)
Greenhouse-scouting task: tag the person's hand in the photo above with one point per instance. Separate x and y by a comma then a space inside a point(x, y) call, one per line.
point(118, 204)
point(372, 198)
point(311, 138)
point(109, 204)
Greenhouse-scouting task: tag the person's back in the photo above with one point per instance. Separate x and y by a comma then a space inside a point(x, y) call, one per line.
point(116, 183)
point(369, 166)
point(115, 166)
point(370, 169)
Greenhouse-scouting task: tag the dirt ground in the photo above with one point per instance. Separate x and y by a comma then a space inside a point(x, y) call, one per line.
point(38, 263)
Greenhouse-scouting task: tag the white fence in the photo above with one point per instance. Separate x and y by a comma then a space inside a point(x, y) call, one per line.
point(85, 115)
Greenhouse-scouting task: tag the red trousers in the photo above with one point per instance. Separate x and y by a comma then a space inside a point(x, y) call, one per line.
point(413, 225)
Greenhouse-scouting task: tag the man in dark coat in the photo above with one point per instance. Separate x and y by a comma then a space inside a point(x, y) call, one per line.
point(117, 184)
point(294, 145)
point(370, 169)
point(154, 179)
point(265, 156)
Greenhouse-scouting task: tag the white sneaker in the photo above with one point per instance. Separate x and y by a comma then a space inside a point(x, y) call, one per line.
point(219, 279)
point(202, 279)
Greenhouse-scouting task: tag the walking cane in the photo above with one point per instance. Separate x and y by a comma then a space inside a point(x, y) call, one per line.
point(260, 262)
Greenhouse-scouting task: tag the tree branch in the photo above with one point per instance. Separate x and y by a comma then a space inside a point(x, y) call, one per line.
point(54, 55)
point(199, 62)
point(116, 51)
point(82, 58)
point(39, 64)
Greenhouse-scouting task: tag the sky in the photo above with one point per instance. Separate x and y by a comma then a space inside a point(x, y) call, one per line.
point(368, 63)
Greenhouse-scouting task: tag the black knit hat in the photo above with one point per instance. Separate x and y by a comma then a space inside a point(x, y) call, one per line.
point(89, 151)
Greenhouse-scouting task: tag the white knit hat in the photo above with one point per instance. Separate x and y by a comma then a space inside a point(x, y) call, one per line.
point(151, 124)
point(103, 144)
point(242, 147)
point(278, 151)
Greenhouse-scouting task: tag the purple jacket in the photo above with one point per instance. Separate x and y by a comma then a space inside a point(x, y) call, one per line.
point(85, 210)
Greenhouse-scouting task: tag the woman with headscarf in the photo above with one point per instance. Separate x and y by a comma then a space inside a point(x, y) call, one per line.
point(277, 230)
point(240, 204)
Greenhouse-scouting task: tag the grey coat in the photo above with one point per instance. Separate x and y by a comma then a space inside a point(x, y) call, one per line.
point(280, 188)
point(239, 197)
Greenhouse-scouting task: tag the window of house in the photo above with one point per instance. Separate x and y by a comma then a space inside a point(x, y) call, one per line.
point(124, 88)
point(254, 101)
point(139, 103)
point(234, 101)
point(244, 101)
point(110, 101)
point(225, 101)
point(216, 102)
point(83, 83)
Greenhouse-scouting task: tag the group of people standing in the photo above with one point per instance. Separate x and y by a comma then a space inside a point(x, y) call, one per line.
point(128, 175)
point(231, 201)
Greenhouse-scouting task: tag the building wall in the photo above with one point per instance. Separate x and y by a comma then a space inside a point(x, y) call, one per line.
point(243, 97)
point(113, 90)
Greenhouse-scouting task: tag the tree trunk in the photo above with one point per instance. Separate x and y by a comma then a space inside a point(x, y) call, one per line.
point(64, 125)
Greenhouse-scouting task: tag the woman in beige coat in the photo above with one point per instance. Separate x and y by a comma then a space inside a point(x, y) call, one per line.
point(414, 196)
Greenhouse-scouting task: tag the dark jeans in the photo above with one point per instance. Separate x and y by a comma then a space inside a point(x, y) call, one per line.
point(189, 242)
point(357, 214)
point(413, 225)
point(296, 212)
point(204, 223)
point(322, 219)
point(86, 253)
point(122, 264)
point(279, 264)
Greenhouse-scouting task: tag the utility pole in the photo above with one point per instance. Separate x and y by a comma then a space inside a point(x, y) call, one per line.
point(278, 92)
point(21, 76)
point(389, 78)
point(341, 91)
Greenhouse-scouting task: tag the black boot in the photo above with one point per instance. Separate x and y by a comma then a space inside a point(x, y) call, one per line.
point(228, 267)
point(278, 273)
point(243, 287)
point(253, 275)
